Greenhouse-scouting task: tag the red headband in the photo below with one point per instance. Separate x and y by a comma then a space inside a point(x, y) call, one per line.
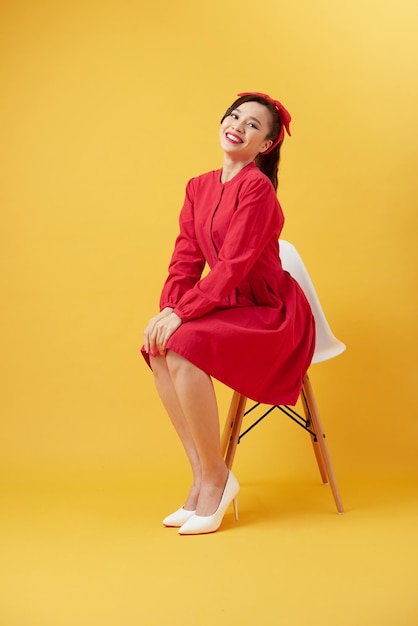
point(284, 116)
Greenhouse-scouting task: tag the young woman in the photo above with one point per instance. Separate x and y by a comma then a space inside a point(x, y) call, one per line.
point(246, 323)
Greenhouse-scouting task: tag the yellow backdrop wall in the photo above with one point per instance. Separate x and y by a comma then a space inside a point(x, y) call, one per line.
point(107, 109)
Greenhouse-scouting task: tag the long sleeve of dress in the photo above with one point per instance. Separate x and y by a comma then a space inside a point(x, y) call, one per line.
point(187, 262)
point(255, 221)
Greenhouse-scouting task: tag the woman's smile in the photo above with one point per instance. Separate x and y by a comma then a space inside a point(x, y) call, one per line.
point(233, 138)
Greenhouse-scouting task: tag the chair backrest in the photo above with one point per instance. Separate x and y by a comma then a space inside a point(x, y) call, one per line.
point(327, 345)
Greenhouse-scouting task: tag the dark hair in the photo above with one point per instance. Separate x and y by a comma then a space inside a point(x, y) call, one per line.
point(267, 163)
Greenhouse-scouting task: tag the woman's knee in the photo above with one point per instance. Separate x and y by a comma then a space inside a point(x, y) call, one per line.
point(158, 365)
point(177, 364)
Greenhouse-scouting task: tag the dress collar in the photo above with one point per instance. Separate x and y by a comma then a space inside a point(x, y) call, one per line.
point(237, 176)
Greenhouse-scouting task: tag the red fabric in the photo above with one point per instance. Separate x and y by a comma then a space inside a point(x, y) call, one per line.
point(246, 323)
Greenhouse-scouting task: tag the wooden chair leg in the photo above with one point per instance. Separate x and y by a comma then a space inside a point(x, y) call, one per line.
point(314, 439)
point(325, 457)
point(232, 427)
point(229, 422)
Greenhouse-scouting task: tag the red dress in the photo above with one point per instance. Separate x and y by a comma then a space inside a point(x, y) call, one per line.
point(247, 323)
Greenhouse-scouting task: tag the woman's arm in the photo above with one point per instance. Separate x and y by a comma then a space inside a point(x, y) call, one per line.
point(187, 261)
point(185, 269)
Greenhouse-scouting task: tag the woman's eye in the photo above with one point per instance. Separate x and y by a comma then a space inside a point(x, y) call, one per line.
point(234, 116)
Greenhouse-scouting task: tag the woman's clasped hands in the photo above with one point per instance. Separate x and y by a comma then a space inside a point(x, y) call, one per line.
point(159, 330)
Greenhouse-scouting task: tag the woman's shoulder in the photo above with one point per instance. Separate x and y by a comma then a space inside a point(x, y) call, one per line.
point(208, 178)
point(252, 173)
point(253, 179)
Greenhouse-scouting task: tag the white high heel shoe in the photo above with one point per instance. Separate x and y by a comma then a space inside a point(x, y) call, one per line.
point(199, 524)
point(178, 518)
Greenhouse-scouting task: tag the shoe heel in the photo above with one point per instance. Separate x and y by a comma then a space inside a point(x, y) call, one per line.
point(235, 503)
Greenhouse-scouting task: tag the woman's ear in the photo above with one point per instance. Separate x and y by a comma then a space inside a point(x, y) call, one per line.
point(267, 145)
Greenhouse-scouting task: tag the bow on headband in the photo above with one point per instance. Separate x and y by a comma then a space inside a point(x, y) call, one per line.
point(283, 114)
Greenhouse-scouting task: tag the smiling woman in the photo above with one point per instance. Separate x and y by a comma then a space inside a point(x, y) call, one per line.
point(244, 133)
point(269, 119)
point(234, 322)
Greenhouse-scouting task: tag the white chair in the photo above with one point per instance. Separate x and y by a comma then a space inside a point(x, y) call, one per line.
point(327, 347)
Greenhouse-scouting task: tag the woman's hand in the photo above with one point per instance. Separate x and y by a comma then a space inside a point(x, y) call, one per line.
point(159, 330)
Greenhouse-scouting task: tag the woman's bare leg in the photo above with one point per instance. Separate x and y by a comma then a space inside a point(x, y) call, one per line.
point(170, 400)
point(197, 399)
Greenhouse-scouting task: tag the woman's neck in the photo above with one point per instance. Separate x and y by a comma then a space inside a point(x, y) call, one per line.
point(231, 168)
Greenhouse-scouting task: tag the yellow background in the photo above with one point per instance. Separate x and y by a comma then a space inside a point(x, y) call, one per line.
point(107, 109)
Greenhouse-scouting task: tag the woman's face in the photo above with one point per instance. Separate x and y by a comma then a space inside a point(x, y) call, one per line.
point(244, 131)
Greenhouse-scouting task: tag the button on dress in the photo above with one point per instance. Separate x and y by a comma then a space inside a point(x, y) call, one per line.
point(246, 322)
